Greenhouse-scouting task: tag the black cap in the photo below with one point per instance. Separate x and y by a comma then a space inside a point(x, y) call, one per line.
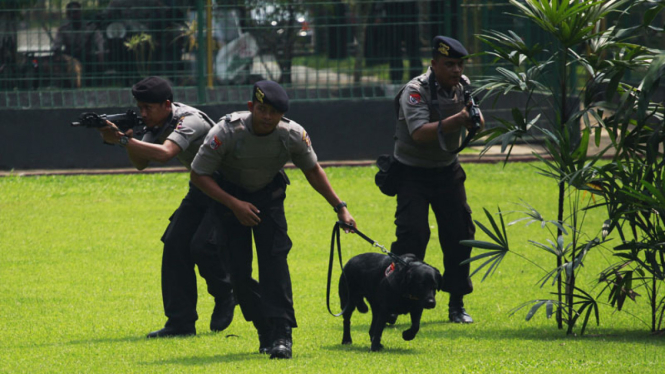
point(269, 92)
point(153, 90)
point(448, 47)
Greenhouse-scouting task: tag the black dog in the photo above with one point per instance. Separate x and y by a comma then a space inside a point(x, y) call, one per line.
point(390, 288)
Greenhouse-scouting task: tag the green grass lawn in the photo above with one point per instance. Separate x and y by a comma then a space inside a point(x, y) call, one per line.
point(80, 287)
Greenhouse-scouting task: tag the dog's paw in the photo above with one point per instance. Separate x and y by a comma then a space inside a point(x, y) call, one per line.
point(408, 335)
point(376, 348)
point(392, 318)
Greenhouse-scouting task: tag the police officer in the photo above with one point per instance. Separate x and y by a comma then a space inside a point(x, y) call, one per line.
point(432, 115)
point(79, 39)
point(177, 130)
point(249, 149)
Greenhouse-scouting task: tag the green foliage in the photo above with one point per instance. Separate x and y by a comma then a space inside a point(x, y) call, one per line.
point(630, 187)
point(142, 46)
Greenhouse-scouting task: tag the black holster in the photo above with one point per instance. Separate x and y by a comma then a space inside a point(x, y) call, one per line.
point(389, 175)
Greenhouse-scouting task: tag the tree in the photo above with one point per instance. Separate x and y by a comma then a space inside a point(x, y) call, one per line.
point(605, 102)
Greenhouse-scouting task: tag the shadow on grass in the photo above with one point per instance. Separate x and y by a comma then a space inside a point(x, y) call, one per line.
point(482, 331)
point(363, 347)
point(211, 360)
point(125, 339)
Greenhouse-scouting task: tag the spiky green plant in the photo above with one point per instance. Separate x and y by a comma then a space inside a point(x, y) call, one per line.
point(606, 102)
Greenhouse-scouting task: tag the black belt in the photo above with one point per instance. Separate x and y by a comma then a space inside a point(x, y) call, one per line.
point(424, 172)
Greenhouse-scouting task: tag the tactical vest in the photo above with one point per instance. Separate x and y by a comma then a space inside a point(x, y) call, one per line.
point(252, 161)
point(430, 155)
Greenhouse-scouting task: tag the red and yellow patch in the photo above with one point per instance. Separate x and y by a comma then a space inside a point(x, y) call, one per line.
point(306, 139)
point(215, 142)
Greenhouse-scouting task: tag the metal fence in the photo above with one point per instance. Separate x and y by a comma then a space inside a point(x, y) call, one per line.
point(55, 54)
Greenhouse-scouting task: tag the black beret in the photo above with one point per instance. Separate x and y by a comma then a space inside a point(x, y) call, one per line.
point(448, 47)
point(153, 90)
point(269, 92)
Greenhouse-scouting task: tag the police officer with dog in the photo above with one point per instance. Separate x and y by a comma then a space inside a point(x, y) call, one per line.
point(432, 116)
point(177, 130)
point(250, 149)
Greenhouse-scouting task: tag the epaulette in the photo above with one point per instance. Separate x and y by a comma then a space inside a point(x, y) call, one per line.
point(231, 117)
point(178, 119)
point(423, 80)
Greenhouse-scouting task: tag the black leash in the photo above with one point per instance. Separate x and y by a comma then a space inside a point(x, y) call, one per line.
point(336, 234)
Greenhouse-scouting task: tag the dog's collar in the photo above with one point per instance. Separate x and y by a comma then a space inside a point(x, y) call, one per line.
point(389, 271)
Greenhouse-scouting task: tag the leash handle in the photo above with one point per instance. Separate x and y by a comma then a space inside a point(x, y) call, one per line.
point(336, 238)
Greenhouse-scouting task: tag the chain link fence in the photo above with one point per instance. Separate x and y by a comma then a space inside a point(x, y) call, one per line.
point(62, 54)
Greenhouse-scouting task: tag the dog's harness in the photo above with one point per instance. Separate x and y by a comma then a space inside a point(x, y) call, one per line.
point(336, 238)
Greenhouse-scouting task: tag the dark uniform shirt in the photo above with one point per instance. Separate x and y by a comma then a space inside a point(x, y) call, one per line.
point(252, 161)
point(415, 109)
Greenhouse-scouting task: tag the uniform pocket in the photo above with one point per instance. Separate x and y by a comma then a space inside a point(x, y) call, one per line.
point(169, 228)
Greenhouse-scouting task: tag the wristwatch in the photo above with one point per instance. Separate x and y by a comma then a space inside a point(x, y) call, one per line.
point(123, 140)
point(339, 206)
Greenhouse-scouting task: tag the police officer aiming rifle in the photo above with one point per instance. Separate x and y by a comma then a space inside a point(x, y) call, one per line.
point(432, 115)
point(177, 130)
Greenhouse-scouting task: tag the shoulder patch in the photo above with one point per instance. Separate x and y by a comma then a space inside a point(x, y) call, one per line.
point(306, 139)
point(414, 98)
point(178, 125)
point(215, 142)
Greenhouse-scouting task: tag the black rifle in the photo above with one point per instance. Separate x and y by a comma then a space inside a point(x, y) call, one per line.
point(124, 121)
point(474, 111)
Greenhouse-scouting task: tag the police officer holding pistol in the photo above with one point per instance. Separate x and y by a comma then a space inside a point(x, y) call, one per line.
point(177, 130)
point(249, 149)
point(432, 116)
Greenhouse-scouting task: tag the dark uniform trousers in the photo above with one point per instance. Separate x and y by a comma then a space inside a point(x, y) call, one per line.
point(272, 296)
point(188, 240)
point(443, 189)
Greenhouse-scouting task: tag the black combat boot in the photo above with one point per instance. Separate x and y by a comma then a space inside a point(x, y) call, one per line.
point(173, 331)
point(456, 311)
point(282, 342)
point(222, 315)
point(264, 336)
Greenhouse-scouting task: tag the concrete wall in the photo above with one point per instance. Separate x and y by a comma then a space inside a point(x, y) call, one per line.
point(44, 139)
point(345, 130)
